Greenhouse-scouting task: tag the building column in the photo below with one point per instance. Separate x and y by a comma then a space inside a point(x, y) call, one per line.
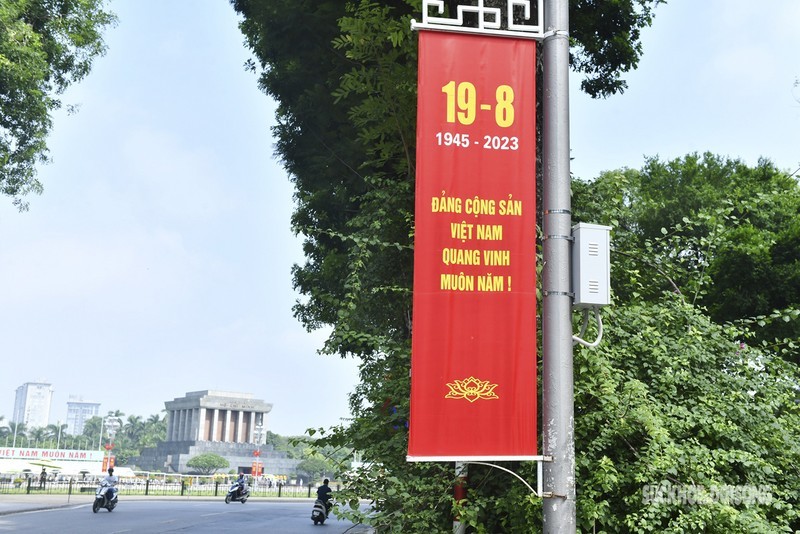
point(251, 434)
point(227, 426)
point(170, 424)
point(187, 424)
point(184, 424)
point(201, 425)
point(239, 420)
point(178, 425)
point(215, 424)
point(193, 425)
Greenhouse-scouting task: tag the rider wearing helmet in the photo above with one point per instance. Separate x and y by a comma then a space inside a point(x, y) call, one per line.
point(240, 482)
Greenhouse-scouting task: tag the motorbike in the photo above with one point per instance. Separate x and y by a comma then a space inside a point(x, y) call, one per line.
point(105, 497)
point(234, 495)
point(320, 512)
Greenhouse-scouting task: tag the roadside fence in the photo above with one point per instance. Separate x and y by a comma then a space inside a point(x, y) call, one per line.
point(167, 485)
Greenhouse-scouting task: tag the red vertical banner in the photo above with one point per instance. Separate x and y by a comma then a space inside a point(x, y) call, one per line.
point(473, 362)
point(108, 462)
point(256, 469)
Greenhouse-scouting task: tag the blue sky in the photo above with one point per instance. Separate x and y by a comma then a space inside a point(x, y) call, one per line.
point(716, 75)
point(158, 259)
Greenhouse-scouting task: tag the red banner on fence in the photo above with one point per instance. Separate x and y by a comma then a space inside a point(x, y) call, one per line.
point(473, 366)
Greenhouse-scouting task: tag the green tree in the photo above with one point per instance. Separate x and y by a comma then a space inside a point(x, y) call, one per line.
point(4, 428)
point(56, 434)
point(155, 431)
point(346, 133)
point(207, 463)
point(721, 233)
point(17, 430)
point(92, 429)
point(672, 399)
point(37, 435)
point(314, 468)
point(133, 428)
point(45, 46)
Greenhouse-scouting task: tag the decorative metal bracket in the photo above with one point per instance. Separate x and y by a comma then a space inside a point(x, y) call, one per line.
point(489, 19)
point(539, 478)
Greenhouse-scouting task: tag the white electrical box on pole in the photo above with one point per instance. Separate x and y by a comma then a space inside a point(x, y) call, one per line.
point(591, 265)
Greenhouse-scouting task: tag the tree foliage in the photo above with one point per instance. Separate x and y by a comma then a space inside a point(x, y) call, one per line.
point(314, 468)
point(670, 396)
point(45, 46)
point(721, 233)
point(671, 399)
point(207, 463)
point(345, 134)
point(606, 42)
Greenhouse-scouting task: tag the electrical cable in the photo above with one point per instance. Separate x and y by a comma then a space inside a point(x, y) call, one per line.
point(577, 340)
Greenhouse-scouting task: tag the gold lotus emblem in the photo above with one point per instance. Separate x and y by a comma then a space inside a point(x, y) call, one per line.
point(471, 389)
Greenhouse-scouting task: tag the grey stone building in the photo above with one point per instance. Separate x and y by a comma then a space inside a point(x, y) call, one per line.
point(232, 425)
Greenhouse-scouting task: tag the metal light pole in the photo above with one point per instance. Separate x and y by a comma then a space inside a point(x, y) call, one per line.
point(111, 425)
point(100, 436)
point(557, 377)
point(557, 380)
point(258, 435)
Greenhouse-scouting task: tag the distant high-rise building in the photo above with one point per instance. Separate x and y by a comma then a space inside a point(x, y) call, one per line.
point(32, 405)
point(78, 411)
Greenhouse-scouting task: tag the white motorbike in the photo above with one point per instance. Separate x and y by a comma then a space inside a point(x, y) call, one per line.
point(235, 495)
point(105, 496)
point(320, 511)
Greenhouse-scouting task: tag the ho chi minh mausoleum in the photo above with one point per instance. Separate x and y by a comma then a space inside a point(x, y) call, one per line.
point(232, 425)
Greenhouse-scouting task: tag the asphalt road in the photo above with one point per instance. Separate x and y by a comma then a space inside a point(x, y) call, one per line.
point(135, 516)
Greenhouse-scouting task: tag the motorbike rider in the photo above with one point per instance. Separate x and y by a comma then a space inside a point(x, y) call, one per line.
point(324, 494)
point(240, 483)
point(112, 481)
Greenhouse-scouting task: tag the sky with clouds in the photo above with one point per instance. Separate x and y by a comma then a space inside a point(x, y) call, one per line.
point(158, 259)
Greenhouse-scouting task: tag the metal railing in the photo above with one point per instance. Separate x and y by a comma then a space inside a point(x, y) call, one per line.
point(173, 486)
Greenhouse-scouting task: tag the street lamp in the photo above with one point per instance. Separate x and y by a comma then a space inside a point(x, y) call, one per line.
point(258, 434)
point(111, 425)
point(100, 436)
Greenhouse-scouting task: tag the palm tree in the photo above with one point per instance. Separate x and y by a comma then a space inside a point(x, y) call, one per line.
point(4, 430)
point(92, 428)
point(51, 433)
point(155, 430)
point(134, 429)
point(17, 430)
point(38, 435)
point(55, 433)
point(152, 420)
